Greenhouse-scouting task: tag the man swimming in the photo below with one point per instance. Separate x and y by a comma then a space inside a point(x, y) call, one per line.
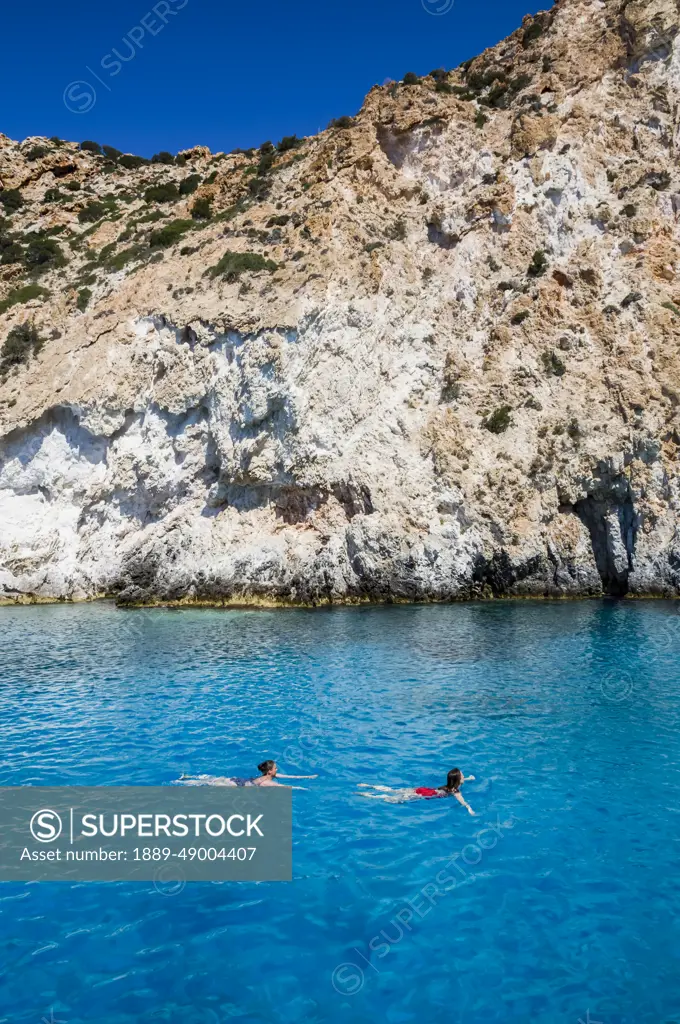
point(454, 780)
point(268, 773)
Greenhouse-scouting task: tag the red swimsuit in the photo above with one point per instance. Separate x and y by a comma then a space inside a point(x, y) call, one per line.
point(426, 791)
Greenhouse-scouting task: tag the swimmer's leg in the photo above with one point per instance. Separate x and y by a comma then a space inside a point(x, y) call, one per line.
point(383, 789)
point(397, 796)
point(205, 780)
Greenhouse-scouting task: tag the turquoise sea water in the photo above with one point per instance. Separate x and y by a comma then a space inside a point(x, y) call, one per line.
point(565, 890)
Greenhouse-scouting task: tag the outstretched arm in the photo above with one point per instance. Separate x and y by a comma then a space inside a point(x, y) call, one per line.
point(280, 776)
point(461, 800)
point(468, 778)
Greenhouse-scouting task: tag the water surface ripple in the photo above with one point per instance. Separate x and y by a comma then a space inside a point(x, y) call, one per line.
point(567, 908)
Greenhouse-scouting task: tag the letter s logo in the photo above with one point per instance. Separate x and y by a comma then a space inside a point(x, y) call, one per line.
point(46, 826)
point(79, 97)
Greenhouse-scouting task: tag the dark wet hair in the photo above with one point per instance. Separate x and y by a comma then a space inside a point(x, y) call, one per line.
point(266, 766)
point(453, 780)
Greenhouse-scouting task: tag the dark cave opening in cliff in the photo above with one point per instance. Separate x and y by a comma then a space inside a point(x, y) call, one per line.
point(612, 528)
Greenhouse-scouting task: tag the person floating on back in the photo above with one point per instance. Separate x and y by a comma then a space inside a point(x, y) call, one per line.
point(454, 780)
point(267, 777)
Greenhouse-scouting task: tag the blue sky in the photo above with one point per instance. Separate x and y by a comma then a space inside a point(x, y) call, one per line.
point(220, 73)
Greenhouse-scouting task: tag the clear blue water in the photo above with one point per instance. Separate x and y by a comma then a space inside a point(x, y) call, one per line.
point(568, 715)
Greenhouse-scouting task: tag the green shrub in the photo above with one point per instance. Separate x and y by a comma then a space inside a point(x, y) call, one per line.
point(111, 152)
point(499, 420)
point(341, 122)
point(91, 147)
point(267, 158)
point(53, 195)
point(189, 184)
point(439, 74)
point(630, 210)
point(553, 365)
point(258, 187)
point(21, 295)
point(630, 298)
point(10, 251)
point(42, 254)
point(397, 231)
point(532, 32)
point(443, 87)
point(518, 84)
point(130, 162)
point(125, 256)
point(520, 317)
point(480, 120)
point(93, 212)
point(84, 296)
point(149, 218)
point(279, 221)
point(233, 264)
point(410, 78)
point(56, 141)
point(11, 199)
point(574, 429)
point(22, 341)
point(73, 185)
point(202, 209)
point(37, 153)
point(167, 193)
point(169, 233)
point(538, 265)
point(163, 158)
point(288, 142)
point(8, 243)
point(495, 95)
point(106, 252)
point(667, 305)
point(484, 77)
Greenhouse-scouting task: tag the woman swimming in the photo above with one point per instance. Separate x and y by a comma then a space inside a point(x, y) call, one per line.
point(454, 780)
point(269, 770)
point(267, 777)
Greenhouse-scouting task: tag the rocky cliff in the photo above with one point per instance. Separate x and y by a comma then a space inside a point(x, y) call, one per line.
point(430, 353)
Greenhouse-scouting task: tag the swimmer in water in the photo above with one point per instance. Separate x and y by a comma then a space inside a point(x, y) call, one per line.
point(268, 773)
point(454, 780)
point(267, 777)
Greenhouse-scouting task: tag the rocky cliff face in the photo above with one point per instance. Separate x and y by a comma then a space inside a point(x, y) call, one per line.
point(431, 353)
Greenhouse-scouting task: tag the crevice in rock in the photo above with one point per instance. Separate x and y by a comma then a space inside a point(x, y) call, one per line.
point(437, 236)
point(612, 525)
point(24, 442)
point(292, 503)
point(399, 146)
point(500, 574)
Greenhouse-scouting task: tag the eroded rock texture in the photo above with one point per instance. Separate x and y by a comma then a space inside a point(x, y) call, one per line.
point(449, 366)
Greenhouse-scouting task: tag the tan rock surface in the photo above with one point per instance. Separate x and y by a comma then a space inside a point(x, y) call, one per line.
point(448, 366)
